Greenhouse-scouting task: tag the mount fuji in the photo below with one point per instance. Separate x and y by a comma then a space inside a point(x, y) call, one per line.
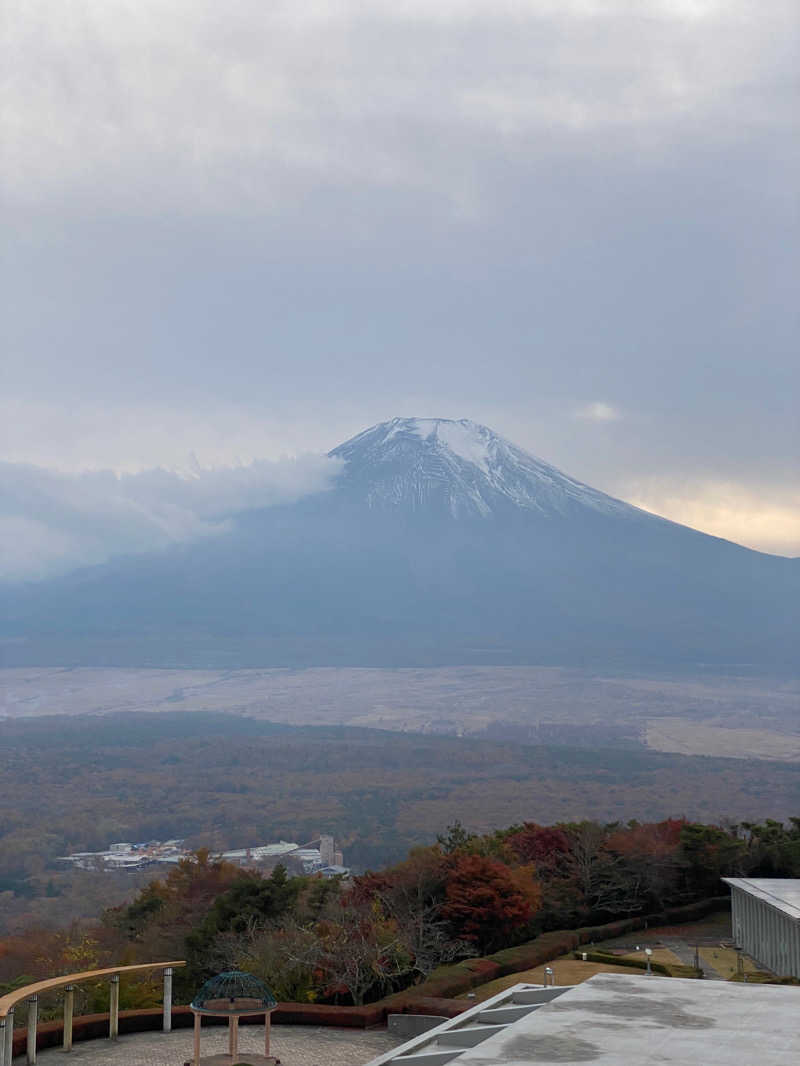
point(439, 543)
point(460, 469)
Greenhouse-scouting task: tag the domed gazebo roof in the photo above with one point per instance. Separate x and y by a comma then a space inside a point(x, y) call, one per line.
point(233, 993)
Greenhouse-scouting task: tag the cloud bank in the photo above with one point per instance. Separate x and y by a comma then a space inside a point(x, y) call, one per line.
point(195, 104)
point(52, 522)
point(241, 227)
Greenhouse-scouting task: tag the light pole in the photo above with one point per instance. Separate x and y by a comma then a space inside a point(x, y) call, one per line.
point(648, 952)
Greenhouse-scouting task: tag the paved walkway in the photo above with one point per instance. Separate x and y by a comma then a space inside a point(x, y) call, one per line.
point(294, 1045)
point(685, 953)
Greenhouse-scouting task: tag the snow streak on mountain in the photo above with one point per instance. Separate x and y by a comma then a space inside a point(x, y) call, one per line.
point(462, 468)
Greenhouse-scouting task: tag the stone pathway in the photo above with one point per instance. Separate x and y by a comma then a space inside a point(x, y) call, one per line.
point(685, 953)
point(294, 1045)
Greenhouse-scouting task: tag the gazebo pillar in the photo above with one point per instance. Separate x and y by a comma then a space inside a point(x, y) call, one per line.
point(197, 1023)
point(233, 995)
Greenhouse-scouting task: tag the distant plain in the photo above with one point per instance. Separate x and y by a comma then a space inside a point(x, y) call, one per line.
point(730, 716)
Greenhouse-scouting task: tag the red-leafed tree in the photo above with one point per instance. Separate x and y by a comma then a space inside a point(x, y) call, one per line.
point(411, 895)
point(487, 902)
point(543, 845)
point(648, 859)
point(655, 839)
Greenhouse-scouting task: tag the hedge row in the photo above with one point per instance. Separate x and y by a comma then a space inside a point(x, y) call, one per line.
point(454, 980)
point(759, 977)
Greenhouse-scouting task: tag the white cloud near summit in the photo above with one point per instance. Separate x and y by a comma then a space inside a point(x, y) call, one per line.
point(52, 522)
point(599, 412)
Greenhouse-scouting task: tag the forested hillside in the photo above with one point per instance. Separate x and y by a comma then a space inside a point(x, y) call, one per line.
point(222, 781)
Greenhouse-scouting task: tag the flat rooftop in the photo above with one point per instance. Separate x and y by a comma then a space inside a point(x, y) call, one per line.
point(629, 1020)
point(782, 893)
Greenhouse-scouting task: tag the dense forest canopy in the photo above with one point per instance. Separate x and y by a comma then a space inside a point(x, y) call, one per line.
point(225, 780)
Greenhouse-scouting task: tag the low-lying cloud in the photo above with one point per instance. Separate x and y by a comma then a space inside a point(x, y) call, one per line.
point(767, 520)
point(599, 412)
point(52, 522)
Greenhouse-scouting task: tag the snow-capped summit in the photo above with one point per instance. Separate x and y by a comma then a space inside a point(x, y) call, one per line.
point(461, 467)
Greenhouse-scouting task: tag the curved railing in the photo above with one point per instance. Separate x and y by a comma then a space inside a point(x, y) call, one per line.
point(30, 994)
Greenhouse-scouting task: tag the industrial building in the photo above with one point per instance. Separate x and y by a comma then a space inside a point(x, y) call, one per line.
point(765, 921)
point(301, 859)
point(617, 1020)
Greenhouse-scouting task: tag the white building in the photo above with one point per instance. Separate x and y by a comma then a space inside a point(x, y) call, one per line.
point(309, 859)
point(765, 920)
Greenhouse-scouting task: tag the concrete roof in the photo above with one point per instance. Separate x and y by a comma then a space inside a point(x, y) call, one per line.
point(629, 1020)
point(783, 893)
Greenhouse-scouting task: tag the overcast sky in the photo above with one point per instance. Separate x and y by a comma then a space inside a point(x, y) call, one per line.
point(248, 229)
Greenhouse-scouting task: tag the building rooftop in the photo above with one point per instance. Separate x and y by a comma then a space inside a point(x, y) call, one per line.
point(619, 1020)
point(783, 893)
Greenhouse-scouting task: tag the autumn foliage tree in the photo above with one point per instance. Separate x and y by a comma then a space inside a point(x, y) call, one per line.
point(487, 902)
point(544, 845)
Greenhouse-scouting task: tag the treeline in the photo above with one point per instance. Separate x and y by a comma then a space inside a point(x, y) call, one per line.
point(223, 781)
point(354, 941)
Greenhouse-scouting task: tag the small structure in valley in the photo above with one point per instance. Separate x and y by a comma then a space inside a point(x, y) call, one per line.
point(232, 995)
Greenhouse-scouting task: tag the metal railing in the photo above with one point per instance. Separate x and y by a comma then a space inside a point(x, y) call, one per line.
point(30, 994)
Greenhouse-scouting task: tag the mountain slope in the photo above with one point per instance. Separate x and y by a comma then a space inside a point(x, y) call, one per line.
point(460, 468)
point(440, 543)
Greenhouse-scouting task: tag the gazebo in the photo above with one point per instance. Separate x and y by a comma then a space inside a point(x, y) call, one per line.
point(232, 995)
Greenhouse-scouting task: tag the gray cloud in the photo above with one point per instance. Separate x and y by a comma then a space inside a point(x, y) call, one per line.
point(234, 226)
point(51, 522)
point(203, 106)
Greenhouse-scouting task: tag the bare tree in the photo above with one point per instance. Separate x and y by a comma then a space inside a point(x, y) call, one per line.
point(413, 903)
point(360, 951)
point(422, 932)
point(284, 958)
point(599, 873)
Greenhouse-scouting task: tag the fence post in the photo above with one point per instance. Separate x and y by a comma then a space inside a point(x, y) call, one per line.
point(69, 1008)
point(7, 1050)
point(3, 1023)
point(168, 999)
point(197, 1023)
point(113, 1009)
point(33, 1022)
